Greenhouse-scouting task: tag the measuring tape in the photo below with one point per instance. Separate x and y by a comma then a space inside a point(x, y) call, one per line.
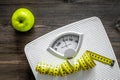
point(85, 62)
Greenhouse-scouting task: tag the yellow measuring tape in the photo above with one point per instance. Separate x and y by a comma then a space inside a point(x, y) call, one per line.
point(83, 63)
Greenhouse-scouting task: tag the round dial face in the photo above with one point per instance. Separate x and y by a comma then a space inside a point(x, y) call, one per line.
point(66, 44)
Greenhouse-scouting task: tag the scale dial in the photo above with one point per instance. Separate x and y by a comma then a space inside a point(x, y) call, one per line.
point(66, 45)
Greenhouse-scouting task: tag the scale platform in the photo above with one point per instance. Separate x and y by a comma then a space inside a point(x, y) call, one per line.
point(95, 39)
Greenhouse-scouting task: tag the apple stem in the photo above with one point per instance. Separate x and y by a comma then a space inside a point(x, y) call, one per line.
point(21, 21)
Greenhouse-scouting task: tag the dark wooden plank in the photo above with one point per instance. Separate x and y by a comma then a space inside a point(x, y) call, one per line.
point(15, 71)
point(49, 15)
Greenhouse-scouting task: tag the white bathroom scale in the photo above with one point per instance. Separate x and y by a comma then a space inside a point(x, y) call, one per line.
point(92, 36)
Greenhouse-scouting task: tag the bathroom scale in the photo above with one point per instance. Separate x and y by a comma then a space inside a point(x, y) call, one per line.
point(69, 43)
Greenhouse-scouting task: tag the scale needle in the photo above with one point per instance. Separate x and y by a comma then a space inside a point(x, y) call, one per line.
point(65, 42)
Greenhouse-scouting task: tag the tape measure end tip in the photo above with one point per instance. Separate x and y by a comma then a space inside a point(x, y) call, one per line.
point(113, 61)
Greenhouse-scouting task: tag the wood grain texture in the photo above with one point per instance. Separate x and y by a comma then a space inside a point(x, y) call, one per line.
point(49, 15)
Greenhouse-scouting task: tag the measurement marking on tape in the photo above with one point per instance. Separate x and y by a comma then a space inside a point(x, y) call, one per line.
point(85, 62)
point(101, 58)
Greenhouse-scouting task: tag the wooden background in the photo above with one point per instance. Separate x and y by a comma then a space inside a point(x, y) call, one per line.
point(49, 15)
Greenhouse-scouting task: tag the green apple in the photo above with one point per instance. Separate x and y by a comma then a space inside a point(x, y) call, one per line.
point(22, 20)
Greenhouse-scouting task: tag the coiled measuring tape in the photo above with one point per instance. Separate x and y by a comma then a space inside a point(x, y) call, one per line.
point(85, 62)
